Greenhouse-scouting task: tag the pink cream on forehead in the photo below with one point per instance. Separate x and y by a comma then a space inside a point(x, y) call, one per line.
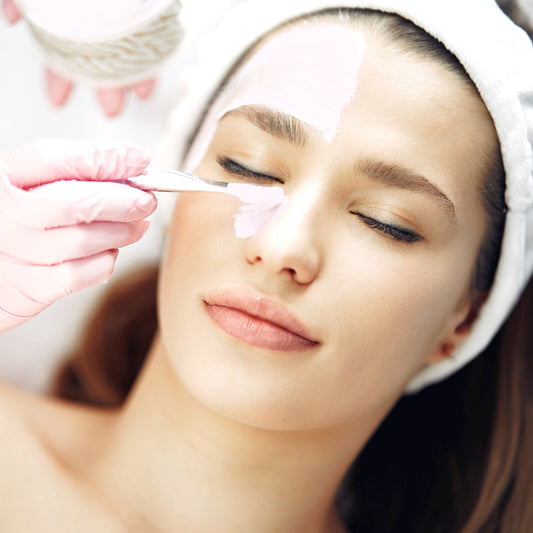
point(308, 72)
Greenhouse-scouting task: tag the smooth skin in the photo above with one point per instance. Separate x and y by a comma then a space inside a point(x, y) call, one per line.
point(221, 436)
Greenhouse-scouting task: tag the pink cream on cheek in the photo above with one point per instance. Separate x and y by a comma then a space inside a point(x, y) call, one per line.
point(261, 206)
point(308, 72)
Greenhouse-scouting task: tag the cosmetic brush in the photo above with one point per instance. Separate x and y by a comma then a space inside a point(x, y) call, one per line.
point(261, 204)
point(163, 180)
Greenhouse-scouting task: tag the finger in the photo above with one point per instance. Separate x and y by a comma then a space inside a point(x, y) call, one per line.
point(11, 12)
point(49, 160)
point(66, 203)
point(9, 321)
point(111, 99)
point(144, 89)
point(27, 289)
point(58, 88)
point(54, 246)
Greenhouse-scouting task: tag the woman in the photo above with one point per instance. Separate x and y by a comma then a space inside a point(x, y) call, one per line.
point(278, 356)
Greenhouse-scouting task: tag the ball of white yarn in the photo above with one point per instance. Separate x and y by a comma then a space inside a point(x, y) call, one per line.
point(123, 59)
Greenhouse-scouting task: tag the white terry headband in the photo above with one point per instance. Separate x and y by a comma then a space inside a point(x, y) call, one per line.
point(497, 55)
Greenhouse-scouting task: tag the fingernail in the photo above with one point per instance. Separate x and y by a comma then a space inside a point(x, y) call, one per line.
point(98, 270)
point(146, 203)
point(138, 156)
point(111, 100)
point(142, 228)
point(58, 88)
point(143, 89)
point(10, 10)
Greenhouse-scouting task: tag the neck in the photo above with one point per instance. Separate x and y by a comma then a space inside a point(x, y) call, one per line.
point(199, 471)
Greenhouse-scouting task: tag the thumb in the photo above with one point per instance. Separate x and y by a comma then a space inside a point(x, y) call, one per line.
point(50, 160)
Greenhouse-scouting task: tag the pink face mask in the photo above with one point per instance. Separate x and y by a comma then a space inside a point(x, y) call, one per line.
point(308, 72)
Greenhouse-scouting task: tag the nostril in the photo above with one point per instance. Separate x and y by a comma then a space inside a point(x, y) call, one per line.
point(253, 260)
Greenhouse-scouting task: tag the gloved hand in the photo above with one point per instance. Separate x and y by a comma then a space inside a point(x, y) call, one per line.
point(111, 98)
point(59, 234)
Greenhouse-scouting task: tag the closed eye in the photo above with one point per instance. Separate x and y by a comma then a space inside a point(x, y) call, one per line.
point(236, 169)
point(395, 232)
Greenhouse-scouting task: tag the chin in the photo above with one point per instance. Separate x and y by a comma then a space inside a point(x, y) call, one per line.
point(241, 388)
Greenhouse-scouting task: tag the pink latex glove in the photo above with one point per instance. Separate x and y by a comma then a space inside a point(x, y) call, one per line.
point(111, 99)
point(59, 234)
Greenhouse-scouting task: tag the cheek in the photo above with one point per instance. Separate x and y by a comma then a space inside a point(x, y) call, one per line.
point(394, 315)
point(199, 241)
point(202, 223)
point(382, 309)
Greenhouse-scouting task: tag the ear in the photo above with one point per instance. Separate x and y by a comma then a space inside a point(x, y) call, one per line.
point(459, 327)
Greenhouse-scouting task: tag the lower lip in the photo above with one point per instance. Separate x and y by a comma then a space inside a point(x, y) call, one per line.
point(256, 332)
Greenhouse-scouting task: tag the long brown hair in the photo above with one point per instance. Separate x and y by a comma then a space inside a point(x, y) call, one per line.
point(454, 458)
point(111, 351)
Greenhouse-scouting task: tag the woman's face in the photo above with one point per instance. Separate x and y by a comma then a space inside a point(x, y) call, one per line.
point(324, 316)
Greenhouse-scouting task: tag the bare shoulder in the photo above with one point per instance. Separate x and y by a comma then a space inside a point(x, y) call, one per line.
point(52, 423)
point(42, 440)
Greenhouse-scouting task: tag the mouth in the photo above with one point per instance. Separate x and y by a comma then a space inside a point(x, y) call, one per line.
point(258, 321)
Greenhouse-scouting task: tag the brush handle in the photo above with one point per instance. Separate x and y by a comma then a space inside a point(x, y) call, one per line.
point(162, 180)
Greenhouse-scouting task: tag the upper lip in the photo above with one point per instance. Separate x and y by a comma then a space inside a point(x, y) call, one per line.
point(261, 307)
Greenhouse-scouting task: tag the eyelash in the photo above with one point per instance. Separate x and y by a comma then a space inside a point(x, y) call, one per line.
point(400, 234)
point(395, 232)
point(231, 166)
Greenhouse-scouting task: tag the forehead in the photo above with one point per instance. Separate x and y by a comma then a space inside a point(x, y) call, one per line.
point(325, 70)
point(316, 67)
point(327, 74)
point(309, 71)
point(417, 108)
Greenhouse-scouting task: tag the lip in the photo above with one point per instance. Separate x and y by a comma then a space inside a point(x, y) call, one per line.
point(258, 321)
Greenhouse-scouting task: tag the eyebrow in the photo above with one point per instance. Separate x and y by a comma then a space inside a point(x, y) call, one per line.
point(278, 124)
point(400, 177)
point(293, 130)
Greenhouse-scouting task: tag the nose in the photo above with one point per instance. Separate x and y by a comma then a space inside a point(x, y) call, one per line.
point(290, 244)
